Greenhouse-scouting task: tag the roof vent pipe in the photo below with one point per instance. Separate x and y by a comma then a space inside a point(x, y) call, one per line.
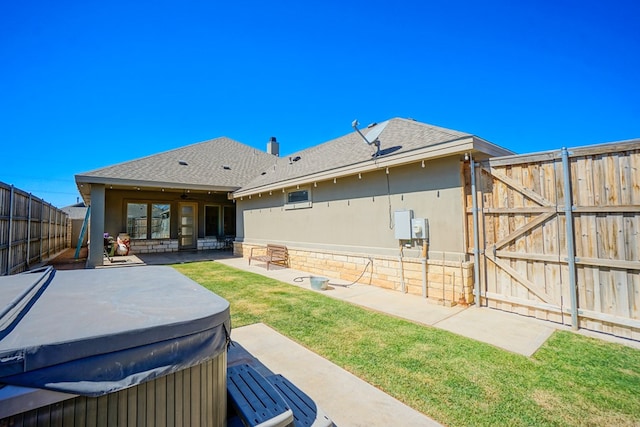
point(273, 147)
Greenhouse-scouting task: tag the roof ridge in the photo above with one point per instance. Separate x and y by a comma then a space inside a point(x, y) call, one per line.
point(438, 127)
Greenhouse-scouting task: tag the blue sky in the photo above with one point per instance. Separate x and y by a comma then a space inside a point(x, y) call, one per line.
point(87, 84)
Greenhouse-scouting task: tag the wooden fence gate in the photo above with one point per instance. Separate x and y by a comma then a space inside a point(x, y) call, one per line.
point(531, 262)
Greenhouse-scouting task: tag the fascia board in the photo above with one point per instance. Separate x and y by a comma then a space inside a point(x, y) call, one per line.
point(84, 179)
point(489, 149)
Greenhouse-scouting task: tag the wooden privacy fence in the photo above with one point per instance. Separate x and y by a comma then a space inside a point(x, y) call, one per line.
point(558, 235)
point(31, 230)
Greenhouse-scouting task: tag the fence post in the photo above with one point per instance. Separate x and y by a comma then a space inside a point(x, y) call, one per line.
point(49, 233)
point(571, 252)
point(29, 231)
point(57, 238)
point(10, 231)
point(55, 231)
point(41, 226)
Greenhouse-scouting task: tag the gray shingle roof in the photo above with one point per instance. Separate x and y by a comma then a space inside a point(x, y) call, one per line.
point(397, 136)
point(251, 169)
point(203, 164)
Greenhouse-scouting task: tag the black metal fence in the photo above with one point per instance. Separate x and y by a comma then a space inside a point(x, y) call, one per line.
point(31, 230)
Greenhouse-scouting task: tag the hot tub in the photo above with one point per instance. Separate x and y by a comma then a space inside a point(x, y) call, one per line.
point(120, 346)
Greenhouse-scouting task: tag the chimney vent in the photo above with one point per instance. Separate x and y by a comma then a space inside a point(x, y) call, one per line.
point(273, 147)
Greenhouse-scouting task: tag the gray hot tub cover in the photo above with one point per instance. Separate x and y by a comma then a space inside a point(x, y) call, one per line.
point(93, 332)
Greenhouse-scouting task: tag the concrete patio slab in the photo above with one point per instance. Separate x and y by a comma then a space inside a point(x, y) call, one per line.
point(518, 334)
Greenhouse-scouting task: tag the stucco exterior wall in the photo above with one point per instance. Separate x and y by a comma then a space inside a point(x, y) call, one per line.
point(348, 230)
point(357, 213)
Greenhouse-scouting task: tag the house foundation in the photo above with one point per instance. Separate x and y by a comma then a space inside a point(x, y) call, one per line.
point(171, 245)
point(439, 281)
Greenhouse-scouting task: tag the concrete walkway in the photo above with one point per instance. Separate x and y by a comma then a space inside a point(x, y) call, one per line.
point(345, 398)
point(512, 332)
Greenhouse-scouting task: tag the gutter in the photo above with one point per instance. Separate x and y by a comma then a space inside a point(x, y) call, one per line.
point(83, 179)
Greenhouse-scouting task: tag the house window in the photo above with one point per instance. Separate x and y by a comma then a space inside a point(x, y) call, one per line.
point(140, 227)
point(298, 199)
point(298, 196)
point(160, 217)
point(137, 220)
point(211, 221)
point(229, 221)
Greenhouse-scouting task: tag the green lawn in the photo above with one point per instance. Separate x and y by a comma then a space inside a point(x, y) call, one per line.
point(571, 380)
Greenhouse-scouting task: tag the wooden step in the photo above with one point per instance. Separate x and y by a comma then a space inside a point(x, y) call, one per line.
point(305, 411)
point(256, 400)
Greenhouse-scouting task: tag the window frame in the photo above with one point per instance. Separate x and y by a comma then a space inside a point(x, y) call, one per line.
point(150, 232)
point(130, 231)
point(302, 204)
point(149, 219)
point(207, 233)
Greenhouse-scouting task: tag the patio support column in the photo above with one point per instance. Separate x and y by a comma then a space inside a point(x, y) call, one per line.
point(96, 226)
point(476, 234)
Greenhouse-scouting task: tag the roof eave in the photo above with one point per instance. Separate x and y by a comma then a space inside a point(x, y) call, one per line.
point(83, 179)
point(458, 146)
point(84, 182)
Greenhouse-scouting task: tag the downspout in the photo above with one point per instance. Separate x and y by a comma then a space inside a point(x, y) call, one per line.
point(403, 286)
point(476, 233)
point(571, 257)
point(423, 260)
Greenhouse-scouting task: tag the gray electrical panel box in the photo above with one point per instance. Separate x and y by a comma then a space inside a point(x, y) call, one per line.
point(419, 228)
point(402, 221)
